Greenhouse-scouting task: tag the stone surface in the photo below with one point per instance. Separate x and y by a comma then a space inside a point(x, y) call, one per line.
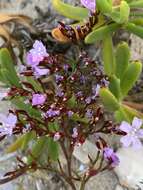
point(81, 152)
point(130, 169)
point(104, 181)
point(119, 187)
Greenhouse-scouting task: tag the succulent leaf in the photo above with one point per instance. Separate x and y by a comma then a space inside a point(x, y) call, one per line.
point(122, 56)
point(131, 75)
point(108, 56)
point(101, 33)
point(76, 13)
point(109, 100)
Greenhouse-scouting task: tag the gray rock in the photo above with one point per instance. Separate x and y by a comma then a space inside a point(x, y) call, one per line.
point(130, 169)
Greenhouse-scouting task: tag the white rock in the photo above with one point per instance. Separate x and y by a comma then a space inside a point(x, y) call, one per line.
point(119, 187)
point(130, 169)
point(81, 152)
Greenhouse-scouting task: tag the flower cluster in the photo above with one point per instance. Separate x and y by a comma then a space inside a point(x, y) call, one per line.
point(62, 105)
point(35, 56)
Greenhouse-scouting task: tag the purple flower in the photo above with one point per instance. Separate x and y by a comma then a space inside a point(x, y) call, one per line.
point(75, 133)
point(70, 113)
point(38, 99)
point(52, 112)
point(110, 155)
point(38, 72)
point(88, 100)
point(95, 90)
point(8, 123)
point(89, 113)
point(79, 94)
point(59, 78)
point(59, 92)
point(66, 67)
point(89, 4)
point(36, 54)
point(134, 133)
point(105, 82)
point(82, 79)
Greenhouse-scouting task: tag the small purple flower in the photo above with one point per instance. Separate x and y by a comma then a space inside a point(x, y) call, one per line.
point(75, 133)
point(105, 82)
point(79, 94)
point(82, 79)
point(38, 72)
point(66, 67)
point(57, 136)
point(52, 112)
point(89, 113)
point(134, 133)
point(88, 100)
point(110, 155)
point(59, 78)
point(59, 92)
point(70, 113)
point(95, 90)
point(36, 54)
point(8, 123)
point(38, 99)
point(89, 4)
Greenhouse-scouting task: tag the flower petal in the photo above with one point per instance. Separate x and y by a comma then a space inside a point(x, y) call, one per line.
point(136, 143)
point(11, 120)
point(89, 4)
point(140, 133)
point(137, 123)
point(126, 127)
point(126, 140)
point(40, 72)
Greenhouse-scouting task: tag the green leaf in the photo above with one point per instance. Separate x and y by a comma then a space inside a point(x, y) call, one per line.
point(6, 63)
point(121, 16)
point(127, 114)
point(53, 126)
point(101, 33)
point(121, 115)
point(104, 6)
point(16, 145)
point(28, 137)
point(122, 59)
point(37, 149)
point(124, 12)
point(130, 76)
point(4, 77)
point(137, 21)
point(132, 112)
point(21, 142)
point(136, 4)
point(19, 102)
point(108, 56)
point(72, 101)
point(135, 29)
point(76, 117)
point(109, 100)
point(76, 13)
point(37, 86)
point(114, 86)
point(53, 149)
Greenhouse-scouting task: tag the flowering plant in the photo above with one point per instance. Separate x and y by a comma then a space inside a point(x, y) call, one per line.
point(57, 103)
